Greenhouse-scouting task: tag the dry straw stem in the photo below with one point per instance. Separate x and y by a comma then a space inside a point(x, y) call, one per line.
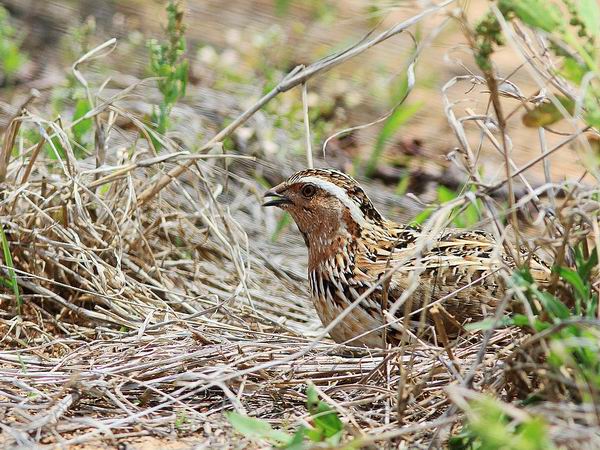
point(309, 155)
point(11, 134)
point(98, 52)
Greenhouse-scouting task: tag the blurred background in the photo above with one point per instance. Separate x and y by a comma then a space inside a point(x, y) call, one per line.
point(239, 50)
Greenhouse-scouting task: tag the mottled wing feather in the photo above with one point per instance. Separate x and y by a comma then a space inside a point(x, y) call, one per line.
point(461, 266)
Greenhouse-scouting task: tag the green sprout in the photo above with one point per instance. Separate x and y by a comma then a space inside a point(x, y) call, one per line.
point(168, 63)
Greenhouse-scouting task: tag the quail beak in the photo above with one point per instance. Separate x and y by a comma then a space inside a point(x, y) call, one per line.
point(277, 200)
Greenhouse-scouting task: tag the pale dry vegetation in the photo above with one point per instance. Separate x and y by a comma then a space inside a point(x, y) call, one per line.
point(146, 293)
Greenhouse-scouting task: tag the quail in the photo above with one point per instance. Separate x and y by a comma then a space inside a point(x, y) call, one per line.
point(351, 248)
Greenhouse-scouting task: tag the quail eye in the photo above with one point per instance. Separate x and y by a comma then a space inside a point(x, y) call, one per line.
point(308, 190)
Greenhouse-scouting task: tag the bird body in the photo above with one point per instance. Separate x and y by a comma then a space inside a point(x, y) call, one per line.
point(354, 253)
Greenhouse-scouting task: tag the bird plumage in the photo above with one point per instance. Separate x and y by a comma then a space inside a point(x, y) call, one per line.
point(353, 249)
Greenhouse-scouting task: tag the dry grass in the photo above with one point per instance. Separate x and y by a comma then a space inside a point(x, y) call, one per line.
point(153, 299)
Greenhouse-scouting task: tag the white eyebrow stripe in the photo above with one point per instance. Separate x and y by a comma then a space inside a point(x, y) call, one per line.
point(340, 194)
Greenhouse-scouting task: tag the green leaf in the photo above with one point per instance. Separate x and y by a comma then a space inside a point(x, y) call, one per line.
point(483, 325)
point(403, 184)
point(422, 216)
point(546, 114)
point(8, 262)
point(282, 7)
point(522, 277)
point(445, 194)
point(62, 153)
point(589, 14)
point(534, 435)
point(572, 70)
point(470, 216)
point(312, 397)
point(323, 416)
point(254, 428)
point(282, 224)
point(488, 427)
point(535, 13)
point(399, 117)
point(314, 434)
point(552, 305)
point(467, 216)
point(532, 399)
point(585, 268)
point(540, 325)
point(297, 442)
point(592, 118)
point(520, 320)
point(82, 107)
point(574, 279)
point(182, 75)
point(12, 61)
point(12, 57)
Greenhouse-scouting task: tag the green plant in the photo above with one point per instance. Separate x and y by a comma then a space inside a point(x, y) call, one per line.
point(490, 428)
point(574, 346)
point(574, 39)
point(284, 221)
point(561, 315)
point(168, 63)
point(72, 96)
point(465, 217)
point(402, 185)
point(12, 57)
point(400, 115)
point(180, 420)
point(421, 217)
point(80, 129)
point(326, 426)
point(11, 281)
point(578, 298)
point(78, 40)
point(549, 308)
